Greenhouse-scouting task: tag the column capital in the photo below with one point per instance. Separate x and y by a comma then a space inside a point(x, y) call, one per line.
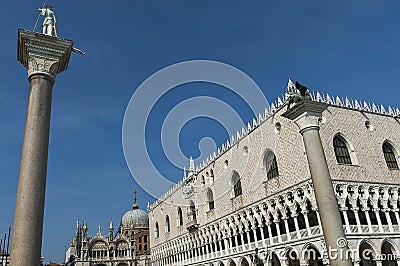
point(43, 54)
point(306, 114)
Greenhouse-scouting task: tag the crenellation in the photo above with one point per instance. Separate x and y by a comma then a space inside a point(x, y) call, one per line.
point(238, 137)
point(254, 124)
point(266, 113)
point(390, 111)
point(383, 111)
point(260, 118)
point(338, 101)
point(273, 108)
point(319, 98)
point(328, 99)
point(348, 103)
point(280, 102)
point(366, 107)
point(233, 140)
point(248, 127)
point(357, 105)
point(312, 95)
point(374, 108)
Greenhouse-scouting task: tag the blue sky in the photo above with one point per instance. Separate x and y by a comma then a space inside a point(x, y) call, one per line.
point(348, 48)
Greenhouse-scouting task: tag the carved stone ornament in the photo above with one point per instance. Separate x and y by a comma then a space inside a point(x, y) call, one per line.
point(307, 120)
point(37, 64)
point(43, 53)
point(306, 114)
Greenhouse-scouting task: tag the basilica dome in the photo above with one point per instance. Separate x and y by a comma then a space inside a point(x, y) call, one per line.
point(135, 218)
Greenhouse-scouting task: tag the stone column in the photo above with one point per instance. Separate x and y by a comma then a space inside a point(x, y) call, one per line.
point(255, 234)
point(378, 218)
point(248, 237)
point(235, 242)
point(396, 213)
point(269, 233)
point(389, 220)
point(285, 220)
point(261, 226)
point(230, 244)
point(305, 214)
point(296, 224)
point(278, 230)
point(242, 232)
point(366, 211)
point(355, 210)
point(226, 245)
point(306, 115)
point(346, 219)
point(45, 57)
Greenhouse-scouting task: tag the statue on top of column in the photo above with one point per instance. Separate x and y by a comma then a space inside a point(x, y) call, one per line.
point(296, 93)
point(49, 22)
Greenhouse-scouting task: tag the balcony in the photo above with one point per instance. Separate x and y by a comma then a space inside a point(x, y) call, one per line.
point(192, 225)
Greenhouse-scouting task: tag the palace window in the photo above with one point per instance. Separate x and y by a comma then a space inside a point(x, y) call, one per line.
point(210, 199)
point(270, 164)
point(156, 232)
point(180, 217)
point(192, 209)
point(167, 225)
point(390, 156)
point(237, 185)
point(341, 150)
point(211, 176)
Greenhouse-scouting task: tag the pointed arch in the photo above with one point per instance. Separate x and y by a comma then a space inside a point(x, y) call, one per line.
point(192, 211)
point(210, 199)
point(342, 149)
point(392, 244)
point(369, 243)
point(273, 260)
point(243, 262)
point(389, 153)
point(211, 176)
point(388, 254)
point(292, 257)
point(179, 217)
point(366, 253)
point(167, 224)
point(237, 184)
point(312, 255)
point(270, 164)
point(156, 231)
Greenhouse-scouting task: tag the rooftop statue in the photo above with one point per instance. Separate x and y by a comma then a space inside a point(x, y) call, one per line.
point(49, 22)
point(296, 93)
